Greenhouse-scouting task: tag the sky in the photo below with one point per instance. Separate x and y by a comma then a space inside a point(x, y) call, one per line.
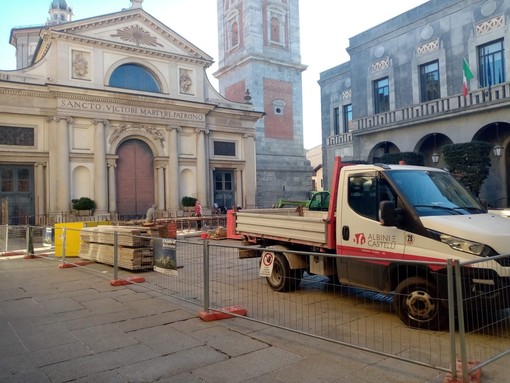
point(325, 28)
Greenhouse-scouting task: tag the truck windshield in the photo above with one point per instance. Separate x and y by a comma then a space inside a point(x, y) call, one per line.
point(435, 192)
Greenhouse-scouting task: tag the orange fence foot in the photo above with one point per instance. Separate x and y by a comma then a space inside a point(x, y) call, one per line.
point(215, 315)
point(33, 256)
point(474, 377)
point(11, 253)
point(74, 264)
point(128, 281)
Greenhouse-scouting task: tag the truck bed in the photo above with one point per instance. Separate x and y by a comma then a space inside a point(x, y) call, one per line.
point(286, 224)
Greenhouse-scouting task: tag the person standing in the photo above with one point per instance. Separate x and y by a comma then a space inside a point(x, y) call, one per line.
point(151, 214)
point(198, 213)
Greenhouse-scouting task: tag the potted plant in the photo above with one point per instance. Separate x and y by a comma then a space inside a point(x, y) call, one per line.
point(83, 205)
point(188, 203)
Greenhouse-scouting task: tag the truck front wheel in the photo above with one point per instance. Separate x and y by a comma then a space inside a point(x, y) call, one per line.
point(417, 304)
point(283, 278)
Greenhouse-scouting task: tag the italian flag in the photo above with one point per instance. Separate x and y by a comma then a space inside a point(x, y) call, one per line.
point(467, 76)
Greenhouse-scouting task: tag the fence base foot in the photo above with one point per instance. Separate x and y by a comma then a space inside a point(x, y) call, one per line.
point(74, 264)
point(215, 315)
point(34, 256)
point(474, 377)
point(128, 281)
point(11, 253)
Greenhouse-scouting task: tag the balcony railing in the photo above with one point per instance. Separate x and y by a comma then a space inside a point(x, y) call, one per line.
point(427, 110)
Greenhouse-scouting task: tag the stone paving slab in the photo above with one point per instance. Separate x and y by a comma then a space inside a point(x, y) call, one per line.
point(62, 325)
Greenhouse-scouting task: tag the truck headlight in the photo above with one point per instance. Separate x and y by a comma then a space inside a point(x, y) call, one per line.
point(459, 244)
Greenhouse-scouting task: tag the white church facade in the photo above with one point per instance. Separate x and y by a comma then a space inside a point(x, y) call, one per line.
point(118, 108)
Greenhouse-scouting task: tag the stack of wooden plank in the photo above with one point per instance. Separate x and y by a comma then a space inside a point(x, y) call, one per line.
point(134, 247)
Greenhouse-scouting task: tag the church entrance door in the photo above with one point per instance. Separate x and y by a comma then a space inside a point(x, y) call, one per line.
point(134, 179)
point(224, 188)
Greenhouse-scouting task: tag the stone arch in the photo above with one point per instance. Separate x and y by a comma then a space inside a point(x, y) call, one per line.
point(496, 188)
point(380, 149)
point(430, 147)
point(154, 137)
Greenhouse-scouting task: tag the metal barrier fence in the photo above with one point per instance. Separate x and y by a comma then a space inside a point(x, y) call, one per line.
point(210, 274)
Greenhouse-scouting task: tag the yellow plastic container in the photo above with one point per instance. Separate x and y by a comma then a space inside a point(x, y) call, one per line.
point(73, 239)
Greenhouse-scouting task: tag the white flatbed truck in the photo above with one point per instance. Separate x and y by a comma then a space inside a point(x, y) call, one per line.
point(397, 213)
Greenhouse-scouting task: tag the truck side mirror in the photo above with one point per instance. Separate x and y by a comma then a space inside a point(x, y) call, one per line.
point(387, 213)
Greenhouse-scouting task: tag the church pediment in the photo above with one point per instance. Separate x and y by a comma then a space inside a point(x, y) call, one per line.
point(131, 29)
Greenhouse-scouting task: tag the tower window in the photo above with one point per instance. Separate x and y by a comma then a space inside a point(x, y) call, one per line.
point(233, 38)
point(234, 35)
point(275, 30)
point(276, 23)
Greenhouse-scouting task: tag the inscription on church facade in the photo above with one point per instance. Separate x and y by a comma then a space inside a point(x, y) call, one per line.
point(101, 107)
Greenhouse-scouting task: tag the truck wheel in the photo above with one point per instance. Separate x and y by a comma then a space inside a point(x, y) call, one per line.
point(417, 304)
point(283, 278)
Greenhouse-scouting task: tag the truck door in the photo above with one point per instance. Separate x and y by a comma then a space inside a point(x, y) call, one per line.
point(359, 233)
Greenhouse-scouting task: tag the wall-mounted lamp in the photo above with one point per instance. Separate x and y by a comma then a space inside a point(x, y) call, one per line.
point(497, 151)
point(435, 155)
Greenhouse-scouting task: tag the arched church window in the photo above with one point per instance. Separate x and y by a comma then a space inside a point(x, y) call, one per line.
point(135, 77)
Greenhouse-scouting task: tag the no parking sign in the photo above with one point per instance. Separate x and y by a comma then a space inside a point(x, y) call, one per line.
point(266, 264)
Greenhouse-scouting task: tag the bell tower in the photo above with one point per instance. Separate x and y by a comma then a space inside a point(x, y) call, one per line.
point(260, 62)
point(60, 12)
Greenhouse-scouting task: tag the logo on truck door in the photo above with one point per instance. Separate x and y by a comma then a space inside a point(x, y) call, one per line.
point(380, 241)
point(359, 239)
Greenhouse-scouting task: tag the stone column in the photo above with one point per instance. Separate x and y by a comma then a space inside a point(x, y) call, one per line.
point(172, 181)
point(112, 189)
point(239, 188)
point(52, 164)
point(62, 176)
point(202, 167)
point(160, 187)
point(100, 176)
point(40, 191)
point(250, 171)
